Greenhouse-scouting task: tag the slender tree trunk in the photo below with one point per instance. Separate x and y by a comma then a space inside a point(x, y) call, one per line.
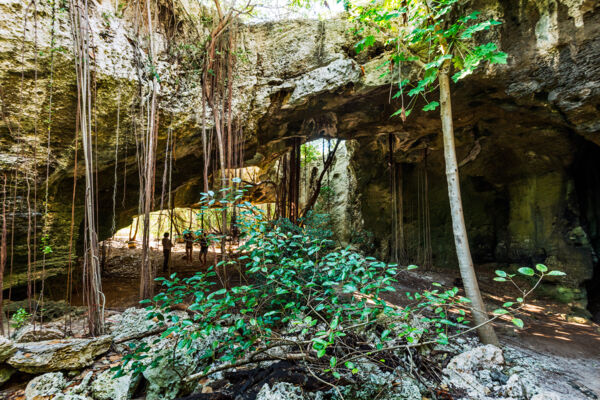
point(465, 262)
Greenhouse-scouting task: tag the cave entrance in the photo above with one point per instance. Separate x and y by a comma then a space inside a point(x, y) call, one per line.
point(587, 185)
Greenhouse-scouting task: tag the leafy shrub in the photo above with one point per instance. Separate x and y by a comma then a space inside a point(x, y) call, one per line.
point(20, 318)
point(305, 301)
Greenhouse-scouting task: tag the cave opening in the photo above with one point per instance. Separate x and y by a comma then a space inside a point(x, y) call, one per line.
point(586, 173)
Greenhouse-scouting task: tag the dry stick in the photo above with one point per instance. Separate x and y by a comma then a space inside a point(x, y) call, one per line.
point(92, 283)
point(48, 140)
point(116, 179)
point(35, 173)
point(146, 278)
point(29, 286)
point(164, 179)
point(2, 254)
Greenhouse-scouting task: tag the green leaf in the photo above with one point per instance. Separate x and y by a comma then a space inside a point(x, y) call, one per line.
point(500, 279)
point(431, 106)
point(500, 311)
point(556, 273)
point(541, 267)
point(526, 271)
point(332, 362)
point(501, 273)
point(518, 322)
point(498, 58)
point(411, 267)
point(349, 288)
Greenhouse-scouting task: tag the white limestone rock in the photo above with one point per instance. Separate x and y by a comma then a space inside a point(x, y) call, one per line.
point(57, 355)
point(280, 391)
point(45, 386)
point(104, 387)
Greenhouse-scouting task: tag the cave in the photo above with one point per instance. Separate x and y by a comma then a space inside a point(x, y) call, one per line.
point(379, 208)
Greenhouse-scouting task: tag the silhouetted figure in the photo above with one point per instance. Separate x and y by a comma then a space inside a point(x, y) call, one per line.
point(203, 248)
point(189, 246)
point(167, 246)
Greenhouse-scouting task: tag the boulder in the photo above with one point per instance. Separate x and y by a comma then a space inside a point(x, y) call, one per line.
point(7, 348)
point(29, 333)
point(372, 382)
point(130, 323)
point(45, 386)
point(164, 377)
point(105, 387)
point(57, 355)
point(83, 386)
point(280, 391)
point(482, 357)
point(474, 371)
point(69, 396)
point(546, 395)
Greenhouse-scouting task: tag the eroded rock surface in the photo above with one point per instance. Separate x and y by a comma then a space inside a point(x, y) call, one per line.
point(45, 386)
point(57, 355)
point(29, 333)
point(7, 348)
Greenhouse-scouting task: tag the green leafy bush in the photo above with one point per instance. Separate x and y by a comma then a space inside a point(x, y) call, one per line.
point(20, 318)
point(304, 301)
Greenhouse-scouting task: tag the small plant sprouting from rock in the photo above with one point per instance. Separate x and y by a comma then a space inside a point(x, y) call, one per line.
point(20, 318)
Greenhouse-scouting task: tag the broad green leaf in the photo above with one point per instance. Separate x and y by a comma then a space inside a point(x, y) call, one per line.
point(541, 267)
point(556, 273)
point(431, 106)
point(518, 322)
point(526, 271)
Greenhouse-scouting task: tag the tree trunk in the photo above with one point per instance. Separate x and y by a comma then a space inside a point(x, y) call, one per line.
point(467, 272)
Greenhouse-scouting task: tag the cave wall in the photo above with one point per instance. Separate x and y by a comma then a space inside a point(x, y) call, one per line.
point(519, 128)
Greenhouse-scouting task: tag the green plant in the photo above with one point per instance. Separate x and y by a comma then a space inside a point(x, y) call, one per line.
point(437, 37)
point(46, 248)
point(313, 302)
point(308, 154)
point(511, 308)
point(20, 318)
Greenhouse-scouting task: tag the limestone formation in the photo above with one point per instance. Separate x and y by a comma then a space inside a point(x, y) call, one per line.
point(106, 387)
point(29, 333)
point(280, 391)
point(7, 348)
point(45, 386)
point(57, 355)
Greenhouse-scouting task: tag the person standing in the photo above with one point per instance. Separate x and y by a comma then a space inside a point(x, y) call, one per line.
point(189, 246)
point(167, 246)
point(203, 248)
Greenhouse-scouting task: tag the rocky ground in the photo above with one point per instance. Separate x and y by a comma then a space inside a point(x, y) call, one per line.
point(555, 356)
point(79, 369)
